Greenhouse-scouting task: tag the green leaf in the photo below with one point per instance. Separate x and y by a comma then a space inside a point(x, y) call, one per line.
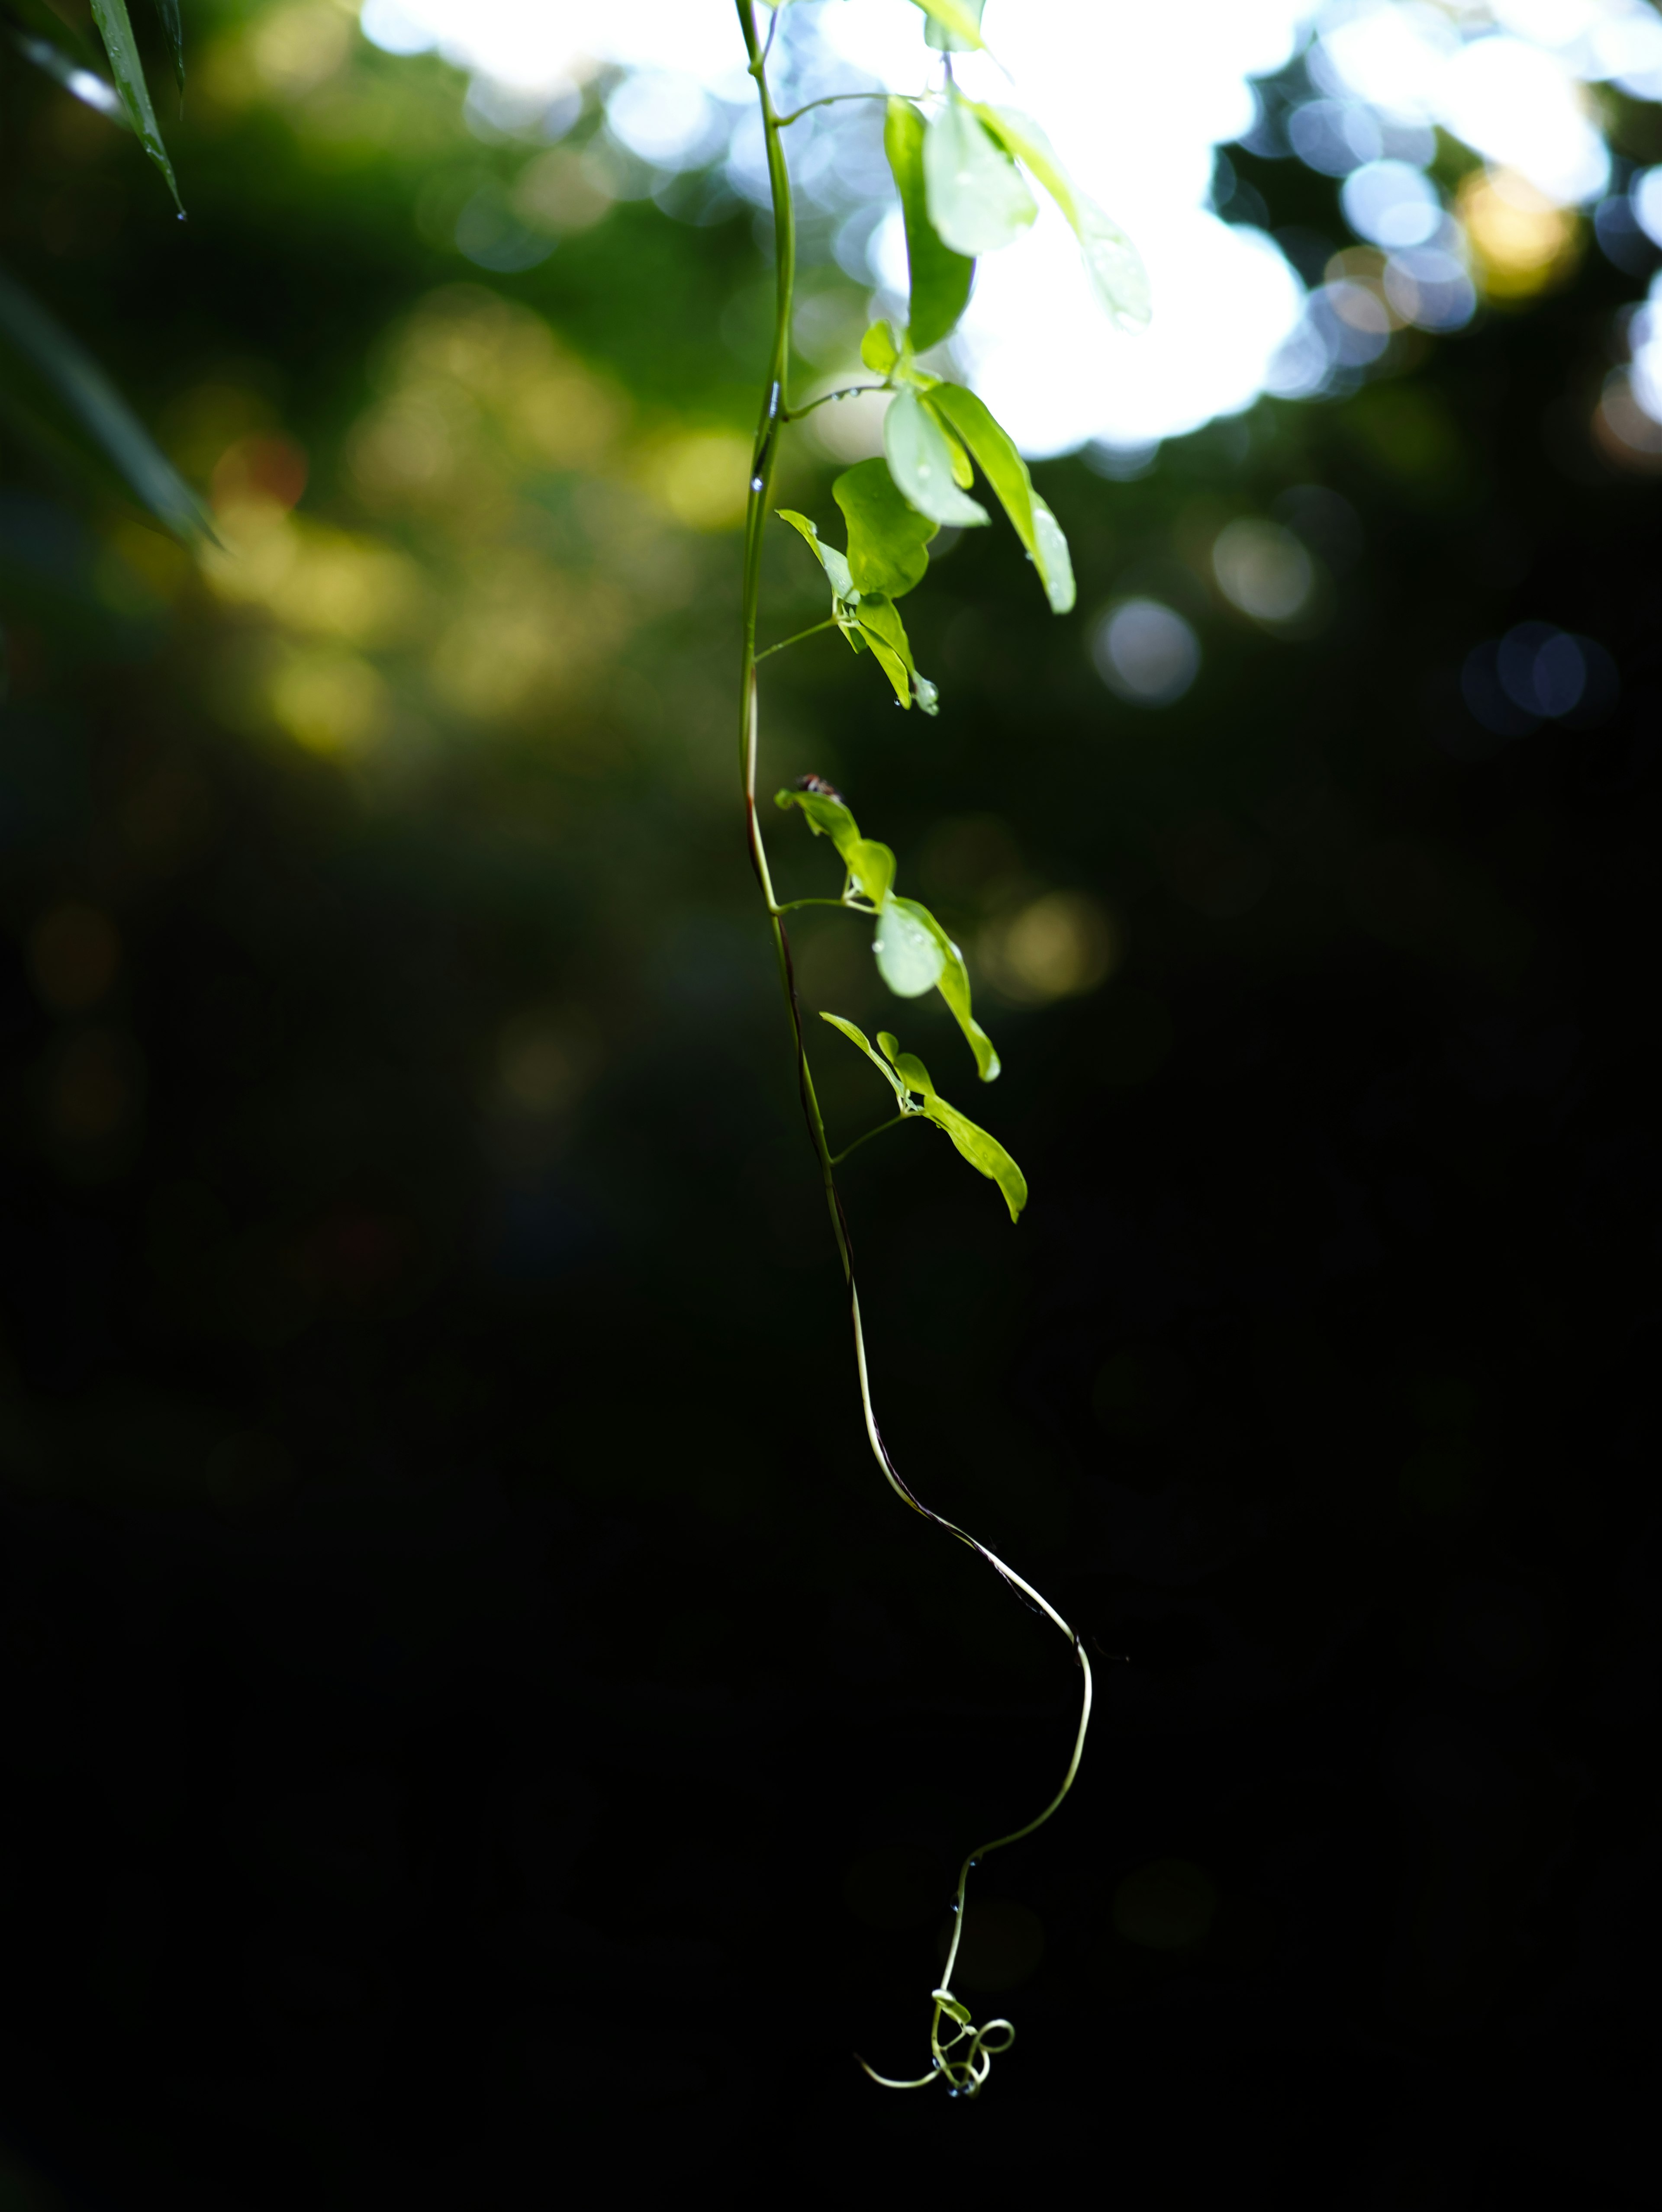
point(954, 2010)
point(978, 199)
point(1052, 559)
point(961, 19)
point(941, 279)
point(954, 983)
point(909, 959)
point(834, 563)
point(878, 349)
point(921, 463)
point(883, 631)
point(115, 29)
point(1005, 470)
point(984, 1152)
point(1112, 263)
point(872, 866)
point(857, 1036)
point(886, 533)
point(100, 420)
point(173, 31)
point(827, 818)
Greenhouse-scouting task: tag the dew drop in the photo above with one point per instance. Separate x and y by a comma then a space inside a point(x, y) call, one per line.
point(756, 483)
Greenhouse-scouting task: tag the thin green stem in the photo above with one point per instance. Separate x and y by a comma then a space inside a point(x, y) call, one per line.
point(848, 906)
point(768, 653)
point(837, 1159)
point(849, 392)
point(965, 2070)
point(835, 100)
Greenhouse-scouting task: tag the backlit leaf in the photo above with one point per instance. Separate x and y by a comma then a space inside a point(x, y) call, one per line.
point(1112, 263)
point(960, 18)
point(827, 818)
point(834, 563)
point(35, 349)
point(886, 533)
point(857, 1036)
point(885, 634)
point(983, 1152)
point(908, 957)
point(921, 463)
point(953, 982)
point(1004, 469)
point(872, 866)
point(978, 199)
point(878, 349)
point(115, 29)
point(173, 31)
point(941, 279)
point(954, 2010)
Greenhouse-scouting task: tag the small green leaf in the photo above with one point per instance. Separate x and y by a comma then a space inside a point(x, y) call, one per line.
point(921, 462)
point(954, 983)
point(101, 422)
point(883, 631)
point(908, 958)
point(954, 2010)
point(827, 818)
point(960, 18)
point(1005, 470)
point(983, 1151)
point(941, 279)
point(857, 1036)
point(115, 29)
point(173, 31)
point(872, 866)
point(1052, 559)
point(878, 349)
point(886, 533)
point(978, 199)
point(1112, 263)
point(834, 563)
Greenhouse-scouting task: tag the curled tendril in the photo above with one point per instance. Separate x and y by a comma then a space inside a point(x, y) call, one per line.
point(964, 2072)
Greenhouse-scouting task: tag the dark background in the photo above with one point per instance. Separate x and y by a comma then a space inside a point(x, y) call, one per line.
point(471, 1705)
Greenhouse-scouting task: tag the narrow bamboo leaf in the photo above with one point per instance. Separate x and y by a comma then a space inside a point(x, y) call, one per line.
point(872, 866)
point(173, 31)
point(834, 563)
point(857, 1036)
point(1005, 470)
point(30, 338)
point(883, 631)
point(878, 349)
point(886, 533)
point(947, 41)
point(960, 18)
point(941, 279)
point(953, 982)
point(921, 463)
point(978, 199)
point(1052, 559)
point(87, 86)
point(908, 957)
point(1112, 263)
point(984, 1152)
point(827, 818)
point(115, 29)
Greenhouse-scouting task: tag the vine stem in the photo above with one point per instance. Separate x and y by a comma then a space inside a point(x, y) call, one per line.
point(965, 2071)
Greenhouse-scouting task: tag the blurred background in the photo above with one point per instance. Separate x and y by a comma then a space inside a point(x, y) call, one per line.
point(470, 1701)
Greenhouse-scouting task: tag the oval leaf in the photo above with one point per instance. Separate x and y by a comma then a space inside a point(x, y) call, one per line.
point(878, 349)
point(921, 463)
point(872, 866)
point(1052, 559)
point(908, 957)
point(954, 988)
point(834, 563)
point(827, 818)
point(886, 533)
point(994, 450)
point(941, 279)
point(984, 1152)
point(978, 199)
point(1112, 263)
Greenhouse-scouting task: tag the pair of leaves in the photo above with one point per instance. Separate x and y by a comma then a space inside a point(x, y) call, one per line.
point(929, 437)
point(914, 953)
point(57, 396)
point(914, 1093)
point(58, 45)
point(886, 558)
